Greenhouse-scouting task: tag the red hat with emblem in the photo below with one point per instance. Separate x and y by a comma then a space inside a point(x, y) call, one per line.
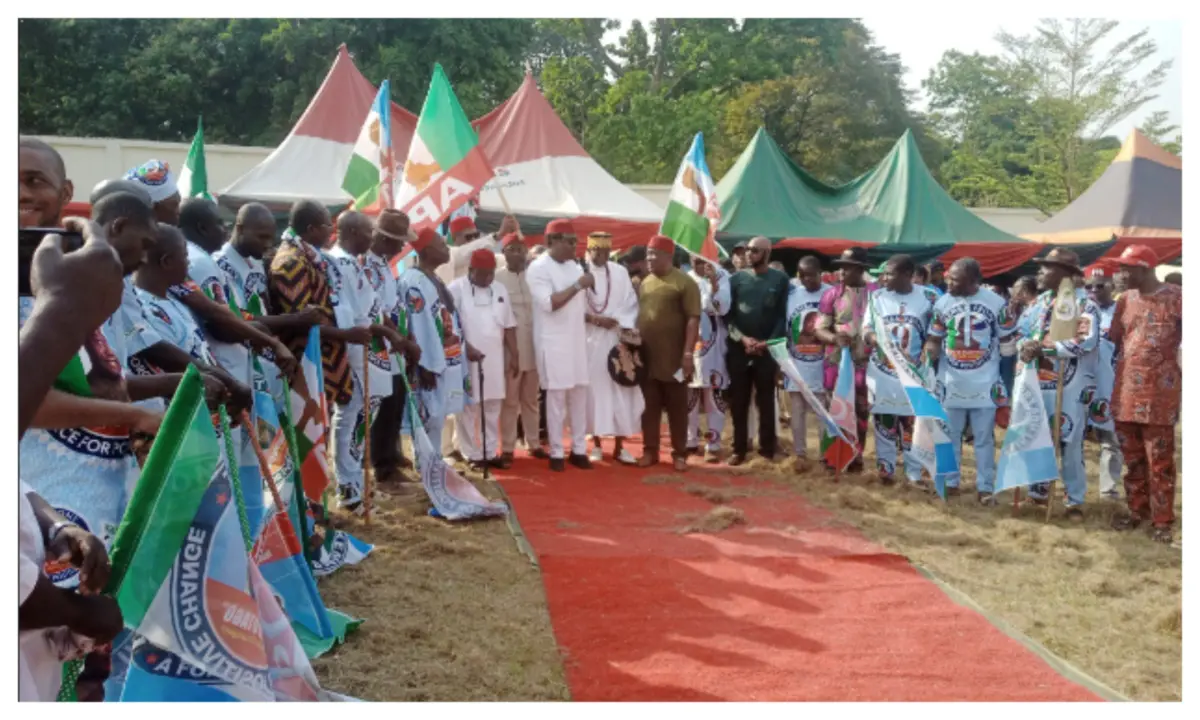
point(511, 239)
point(561, 226)
point(483, 259)
point(424, 237)
point(461, 224)
point(1138, 256)
point(662, 243)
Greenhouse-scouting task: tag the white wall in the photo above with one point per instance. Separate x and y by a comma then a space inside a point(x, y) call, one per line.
point(90, 160)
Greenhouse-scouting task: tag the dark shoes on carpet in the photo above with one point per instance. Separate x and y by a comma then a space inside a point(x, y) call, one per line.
point(558, 464)
point(580, 461)
point(735, 460)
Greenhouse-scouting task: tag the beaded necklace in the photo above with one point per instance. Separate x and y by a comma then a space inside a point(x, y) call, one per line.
point(607, 294)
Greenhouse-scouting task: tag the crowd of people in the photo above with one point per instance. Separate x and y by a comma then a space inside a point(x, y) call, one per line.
point(503, 345)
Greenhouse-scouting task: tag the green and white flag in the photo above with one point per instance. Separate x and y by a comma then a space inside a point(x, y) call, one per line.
point(369, 175)
point(193, 179)
point(445, 166)
point(693, 214)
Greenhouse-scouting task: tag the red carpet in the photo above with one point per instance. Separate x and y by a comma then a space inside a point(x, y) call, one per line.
point(788, 607)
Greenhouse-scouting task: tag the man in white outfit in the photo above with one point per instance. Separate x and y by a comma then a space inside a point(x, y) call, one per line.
point(490, 328)
point(612, 306)
point(711, 379)
point(557, 284)
point(464, 240)
point(522, 394)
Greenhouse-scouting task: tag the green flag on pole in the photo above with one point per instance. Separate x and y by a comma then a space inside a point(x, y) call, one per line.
point(193, 179)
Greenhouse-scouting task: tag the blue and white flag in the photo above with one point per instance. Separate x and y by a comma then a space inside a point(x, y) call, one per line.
point(1027, 456)
point(779, 351)
point(922, 401)
point(932, 447)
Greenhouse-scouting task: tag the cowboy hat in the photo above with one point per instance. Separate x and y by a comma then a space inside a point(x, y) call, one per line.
point(1063, 258)
point(852, 256)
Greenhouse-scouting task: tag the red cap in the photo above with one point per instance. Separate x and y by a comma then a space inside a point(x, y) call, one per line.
point(483, 259)
point(424, 237)
point(511, 239)
point(1138, 256)
point(461, 224)
point(560, 226)
point(662, 243)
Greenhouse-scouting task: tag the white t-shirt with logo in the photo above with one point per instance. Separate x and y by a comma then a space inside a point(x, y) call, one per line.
point(905, 318)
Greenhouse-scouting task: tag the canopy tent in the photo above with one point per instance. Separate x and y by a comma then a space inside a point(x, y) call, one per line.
point(311, 162)
point(1138, 200)
point(544, 173)
point(896, 207)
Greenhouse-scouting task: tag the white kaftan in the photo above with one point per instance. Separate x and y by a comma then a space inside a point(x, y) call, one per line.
point(438, 330)
point(612, 408)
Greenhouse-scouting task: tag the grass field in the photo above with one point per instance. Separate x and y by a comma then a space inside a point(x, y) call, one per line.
point(458, 613)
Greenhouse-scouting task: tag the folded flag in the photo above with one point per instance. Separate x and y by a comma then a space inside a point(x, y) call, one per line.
point(446, 167)
point(920, 399)
point(829, 426)
point(1027, 455)
point(453, 497)
point(931, 447)
point(693, 214)
point(840, 450)
point(369, 175)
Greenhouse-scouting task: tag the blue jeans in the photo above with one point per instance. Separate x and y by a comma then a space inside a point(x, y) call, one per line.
point(983, 423)
point(1074, 476)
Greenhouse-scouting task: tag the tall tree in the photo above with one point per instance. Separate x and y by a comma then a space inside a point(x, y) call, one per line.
point(1161, 131)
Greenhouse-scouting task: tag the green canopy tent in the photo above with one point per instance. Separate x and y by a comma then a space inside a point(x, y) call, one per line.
point(896, 207)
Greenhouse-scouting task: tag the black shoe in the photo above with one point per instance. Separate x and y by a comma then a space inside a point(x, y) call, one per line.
point(580, 461)
point(694, 451)
point(539, 453)
point(557, 464)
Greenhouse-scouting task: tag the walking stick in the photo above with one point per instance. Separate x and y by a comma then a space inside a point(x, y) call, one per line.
point(264, 467)
point(482, 426)
point(368, 485)
point(1058, 411)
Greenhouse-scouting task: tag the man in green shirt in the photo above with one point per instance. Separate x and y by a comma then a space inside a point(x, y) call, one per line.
point(757, 313)
point(669, 323)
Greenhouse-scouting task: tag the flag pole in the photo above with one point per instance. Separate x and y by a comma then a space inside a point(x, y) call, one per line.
point(508, 211)
point(368, 485)
point(263, 466)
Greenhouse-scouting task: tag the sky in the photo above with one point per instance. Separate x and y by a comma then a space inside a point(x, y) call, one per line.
point(920, 45)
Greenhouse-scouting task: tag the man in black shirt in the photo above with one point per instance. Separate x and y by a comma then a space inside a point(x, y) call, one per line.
point(757, 313)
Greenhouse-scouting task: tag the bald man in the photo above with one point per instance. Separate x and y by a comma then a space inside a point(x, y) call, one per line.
point(758, 313)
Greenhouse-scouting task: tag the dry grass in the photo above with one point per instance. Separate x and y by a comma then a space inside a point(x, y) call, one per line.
point(454, 612)
point(713, 521)
point(1107, 602)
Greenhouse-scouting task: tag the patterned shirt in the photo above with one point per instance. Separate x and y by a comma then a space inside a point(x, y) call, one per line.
point(1148, 331)
point(298, 280)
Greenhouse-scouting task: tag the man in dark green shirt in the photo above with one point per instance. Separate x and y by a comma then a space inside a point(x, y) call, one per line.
point(757, 313)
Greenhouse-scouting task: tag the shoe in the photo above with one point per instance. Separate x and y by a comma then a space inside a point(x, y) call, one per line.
point(580, 461)
point(887, 480)
point(539, 453)
point(986, 499)
point(477, 465)
point(456, 456)
point(680, 464)
point(1123, 523)
point(626, 458)
point(648, 460)
point(507, 459)
point(500, 463)
point(1112, 495)
point(557, 465)
point(693, 450)
point(597, 455)
point(735, 460)
point(800, 465)
point(1162, 534)
point(712, 457)
point(1074, 513)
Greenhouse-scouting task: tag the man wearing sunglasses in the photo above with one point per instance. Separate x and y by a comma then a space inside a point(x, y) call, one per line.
point(1099, 284)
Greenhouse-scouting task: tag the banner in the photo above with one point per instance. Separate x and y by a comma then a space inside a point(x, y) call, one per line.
point(1027, 455)
point(453, 497)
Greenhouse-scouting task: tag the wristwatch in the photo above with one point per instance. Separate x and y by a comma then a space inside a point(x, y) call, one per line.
point(57, 528)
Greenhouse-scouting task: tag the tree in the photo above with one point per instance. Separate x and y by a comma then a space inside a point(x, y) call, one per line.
point(1161, 132)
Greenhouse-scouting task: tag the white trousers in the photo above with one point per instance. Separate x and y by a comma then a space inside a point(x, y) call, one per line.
point(705, 399)
point(469, 430)
point(799, 422)
point(449, 435)
point(558, 404)
point(349, 427)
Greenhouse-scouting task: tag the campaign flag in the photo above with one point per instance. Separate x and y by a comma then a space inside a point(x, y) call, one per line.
point(830, 427)
point(920, 399)
point(201, 622)
point(193, 178)
point(841, 449)
point(1027, 455)
point(931, 447)
point(279, 548)
point(453, 497)
point(446, 167)
point(308, 422)
point(693, 213)
point(369, 177)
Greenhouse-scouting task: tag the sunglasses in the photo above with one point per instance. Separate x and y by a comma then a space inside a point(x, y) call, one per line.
point(1096, 286)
